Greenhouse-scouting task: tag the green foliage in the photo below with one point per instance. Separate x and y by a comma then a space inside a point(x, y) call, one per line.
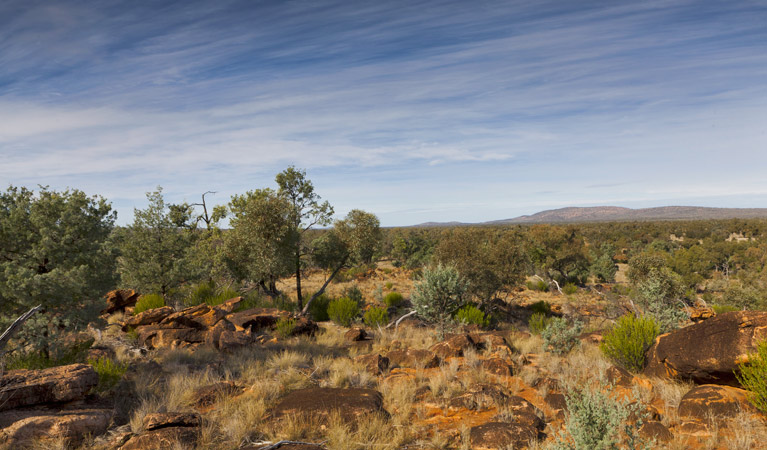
point(629, 340)
point(597, 421)
point(559, 337)
point(153, 249)
point(354, 293)
point(389, 285)
point(438, 295)
point(412, 248)
point(343, 311)
point(720, 309)
point(542, 307)
point(221, 296)
point(375, 317)
point(471, 315)
point(110, 372)
point(147, 302)
point(752, 376)
point(55, 251)
point(318, 310)
point(744, 297)
point(59, 354)
point(490, 260)
point(393, 299)
point(603, 267)
point(200, 293)
point(658, 290)
point(569, 288)
point(259, 246)
point(538, 285)
point(284, 327)
point(538, 322)
point(559, 253)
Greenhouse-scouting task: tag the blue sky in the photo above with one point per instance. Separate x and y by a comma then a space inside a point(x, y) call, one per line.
point(416, 111)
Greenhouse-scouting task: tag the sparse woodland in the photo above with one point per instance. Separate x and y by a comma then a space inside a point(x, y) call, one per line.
point(180, 331)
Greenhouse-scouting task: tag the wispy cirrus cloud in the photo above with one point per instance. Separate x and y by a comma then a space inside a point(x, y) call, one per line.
point(393, 107)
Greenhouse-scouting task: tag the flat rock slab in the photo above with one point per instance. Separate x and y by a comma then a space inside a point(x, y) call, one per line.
point(413, 358)
point(171, 438)
point(707, 401)
point(708, 352)
point(34, 387)
point(19, 426)
point(157, 421)
point(148, 317)
point(500, 436)
point(350, 404)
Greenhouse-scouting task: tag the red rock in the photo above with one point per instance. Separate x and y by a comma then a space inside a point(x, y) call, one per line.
point(58, 384)
point(453, 346)
point(413, 358)
point(148, 317)
point(20, 426)
point(499, 435)
point(374, 363)
point(350, 404)
point(118, 300)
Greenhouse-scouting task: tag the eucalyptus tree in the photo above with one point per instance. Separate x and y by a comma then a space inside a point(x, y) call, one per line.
point(307, 211)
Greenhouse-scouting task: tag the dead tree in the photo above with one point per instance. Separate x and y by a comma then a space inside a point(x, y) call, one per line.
point(8, 334)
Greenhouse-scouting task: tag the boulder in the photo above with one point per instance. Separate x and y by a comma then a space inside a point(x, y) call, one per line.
point(654, 430)
point(618, 376)
point(58, 384)
point(119, 299)
point(704, 402)
point(206, 396)
point(498, 366)
point(480, 397)
point(200, 317)
point(19, 426)
point(355, 335)
point(374, 363)
point(500, 435)
point(413, 358)
point(255, 319)
point(166, 431)
point(708, 352)
point(148, 317)
point(524, 413)
point(304, 327)
point(350, 404)
point(155, 421)
point(453, 346)
point(158, 336)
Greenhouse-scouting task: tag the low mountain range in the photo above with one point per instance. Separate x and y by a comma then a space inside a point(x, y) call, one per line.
point(620, 214)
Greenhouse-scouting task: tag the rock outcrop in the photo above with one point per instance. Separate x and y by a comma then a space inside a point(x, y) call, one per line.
point(319, 403)
point(708, 352)
point(56, 385)
point(120, 299)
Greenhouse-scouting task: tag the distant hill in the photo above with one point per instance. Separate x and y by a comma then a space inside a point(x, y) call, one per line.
point(617, 214)
point(620, 214)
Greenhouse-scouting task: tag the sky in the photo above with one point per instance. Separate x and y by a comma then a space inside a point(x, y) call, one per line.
point(414, 110)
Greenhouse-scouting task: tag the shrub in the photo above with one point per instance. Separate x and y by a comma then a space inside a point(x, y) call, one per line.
point(353, 292)
point(375, 317)
point(628, 341)
point(751, 375)
point(389, 285)
point(541, 307)
point(318, 310)
point(719, 309)
point(559, 336)
point(110, 372)
point(284, 327)
point(538, 285)
point(200, 294)
point(569, 288)
point(222, 296)
point(393, 299)
point(438, 295)
point(343, 311)
point(147, 302)
point(595, 421)
point(538, 322)
point(471, 315)
point(59, 355)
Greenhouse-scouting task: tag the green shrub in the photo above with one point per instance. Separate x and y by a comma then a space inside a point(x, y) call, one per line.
point(353, 292)
point(471, 315)
point(597, 421)
point(628, 341)
point(318, 310)
point(541, 307)
point(569, 289)
point(284, 327)
point(375, 317)
point(110, 372)
point(752, 376)
point(538, 322)
point(222, 296)
point(200, 294)
point(719, 309)
point(560, 337)
point(147, 302)
point(538, 285)
point(343, 311)
point(389, 285)
point(60, 355)
point(438, 296)
point(393, 299)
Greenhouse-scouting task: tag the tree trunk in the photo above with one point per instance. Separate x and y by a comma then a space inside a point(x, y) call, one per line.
point(305, 309)
point(8, 334)
point(298, 279)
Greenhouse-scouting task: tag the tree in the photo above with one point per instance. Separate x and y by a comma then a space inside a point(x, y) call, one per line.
point(489, 259)
point(260, 245)
point(54, 252)
point(603, 266)
point(438, 295)
point(558, 253)
point(217, 214)
point(306, 212)
point(352, 241)
point(154, 248)
point(658, 290)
